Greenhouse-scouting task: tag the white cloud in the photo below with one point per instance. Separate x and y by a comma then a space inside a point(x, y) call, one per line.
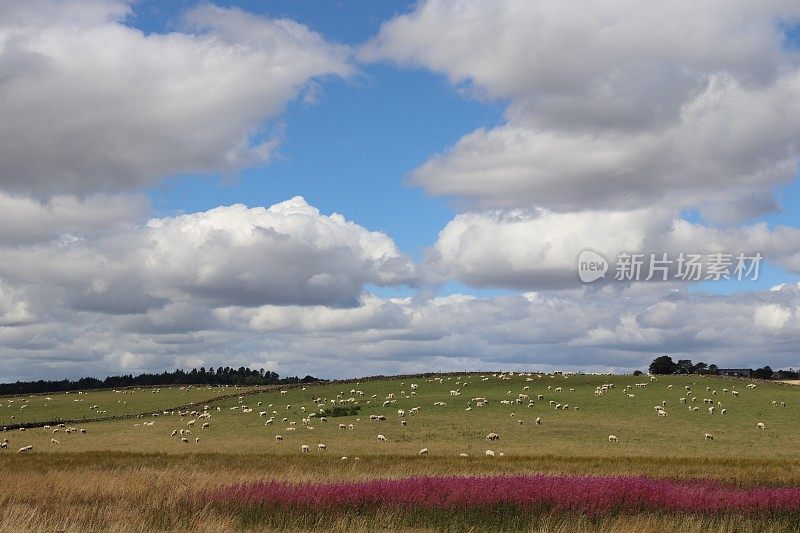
point(91, 104)
point(24, 220)
point(770, 319)
point(526, 249)
point(287, 254)
point(613, 104)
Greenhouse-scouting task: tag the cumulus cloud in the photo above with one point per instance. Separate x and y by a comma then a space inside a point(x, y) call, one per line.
point(612, 104)
point(287, 254)
point(589, 329)
point(24, 220)
point(90, 104)
point(525, 249)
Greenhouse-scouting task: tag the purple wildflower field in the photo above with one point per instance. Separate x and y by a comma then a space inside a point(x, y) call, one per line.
point(589, 495)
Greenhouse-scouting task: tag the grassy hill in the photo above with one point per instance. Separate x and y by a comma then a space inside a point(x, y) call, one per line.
point(625, 411)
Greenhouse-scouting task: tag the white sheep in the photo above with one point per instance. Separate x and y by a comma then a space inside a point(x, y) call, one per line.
point(423, 451)
point(278, 438)
point(708, 436)
point(381, 438)
point(322, 447)
point(613, 439)
point(54, 441)
point(304, 448)
point(492, 436)
point(761, 425)
point(489, 453)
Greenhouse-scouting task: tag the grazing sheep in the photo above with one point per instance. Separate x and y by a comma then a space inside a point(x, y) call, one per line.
point(403, 423)
point(206, 425)
point(613, 439)
point(54, 441)
point(322, 447)
point(489, 453)
point(25, 449)
point(381, 438)
point(197, 440)
point(711, 410)
point(708, 436)
point(492, 436)
point(304, 448)
point(184, 439)
point(278, 438)
point(423, 451)
point(761, 425)
point(463, 455)
point(538, 421)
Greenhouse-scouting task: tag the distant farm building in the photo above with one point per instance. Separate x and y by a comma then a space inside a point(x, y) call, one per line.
point(735, 372)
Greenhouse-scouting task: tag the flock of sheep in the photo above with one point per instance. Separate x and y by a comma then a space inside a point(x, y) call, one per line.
point(317, 408)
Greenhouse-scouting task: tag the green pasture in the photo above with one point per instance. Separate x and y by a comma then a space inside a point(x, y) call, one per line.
point(446, 430)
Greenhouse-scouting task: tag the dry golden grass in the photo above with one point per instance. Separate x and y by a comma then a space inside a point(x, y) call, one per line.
point(140, 492)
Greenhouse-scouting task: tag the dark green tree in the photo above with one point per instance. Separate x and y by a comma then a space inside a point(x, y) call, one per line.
point(663, 365)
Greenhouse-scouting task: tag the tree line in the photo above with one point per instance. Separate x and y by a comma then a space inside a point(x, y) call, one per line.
point(665, 365)
point(221, 376)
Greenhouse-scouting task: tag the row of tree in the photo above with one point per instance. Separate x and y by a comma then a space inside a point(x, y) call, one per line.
point(221, 376)
point(665, 365)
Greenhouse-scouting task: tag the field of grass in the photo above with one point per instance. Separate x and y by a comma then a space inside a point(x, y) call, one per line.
point(90, 405)
point(123, 474)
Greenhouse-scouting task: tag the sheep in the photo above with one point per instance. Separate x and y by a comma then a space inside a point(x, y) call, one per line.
point(381, 438)
point(205, 425)
point(711, 410)
point(304, 448)
point(278, 438)
point(403, 423)
point(489, 453)
point(761, 425)
point(463, 455)
point(423, 451)
point(25, 449)
point(322, 447)
point(184, 439)
point(492, 436)
point(197, 440)
point(613, 439)
point(344, 458)
point(54, 441)
point(708, 436)
point(538, 421)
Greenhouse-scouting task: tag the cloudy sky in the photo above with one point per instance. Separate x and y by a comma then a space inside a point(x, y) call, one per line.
point(351, 188)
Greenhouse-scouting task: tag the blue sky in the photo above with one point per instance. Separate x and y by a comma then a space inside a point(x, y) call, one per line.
point(350, 151)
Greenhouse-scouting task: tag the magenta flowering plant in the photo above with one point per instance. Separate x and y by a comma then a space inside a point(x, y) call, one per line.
point(589, 495)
